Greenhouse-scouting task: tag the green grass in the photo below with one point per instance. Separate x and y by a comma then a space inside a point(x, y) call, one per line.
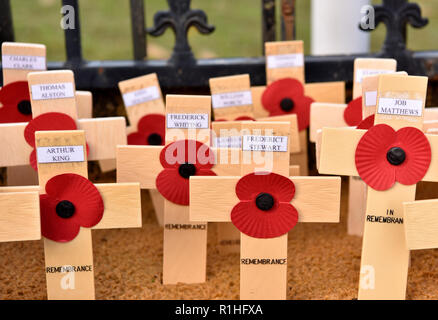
point(106, 29)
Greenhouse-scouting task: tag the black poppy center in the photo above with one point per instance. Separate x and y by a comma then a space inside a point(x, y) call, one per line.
point(65, 209)
point(154, 139)
point(396, 156)
point(186, 170)
point(24, 107)
point(264, 201)
point(287, 104)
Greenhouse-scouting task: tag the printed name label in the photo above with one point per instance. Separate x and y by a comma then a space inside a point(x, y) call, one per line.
point(230, 99)
point(23, 62)
point(370, 98)
point(361, 73)
point(285, 60)
point(263, 261)
point(141, 96)
point(265, 143)
point(52, 91)
point(228, 142)
point(188, 121)
point(60, 154)
point(400, 107)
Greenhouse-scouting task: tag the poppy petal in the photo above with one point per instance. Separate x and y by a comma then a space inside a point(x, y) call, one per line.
point(48, 121)
point(173, 187)
point(370, 157)
point(302, 111)
point(366, 123)
point(33, 160)
point(418, 155)
point(187, 151)
point(244, 118)
point(280, 187)
point(82, 193)
point(264, 224)
point(137, 139)
point(54, 227)
point(10, 114)
point(14, 92)
point(353, 112)
point(153, 123)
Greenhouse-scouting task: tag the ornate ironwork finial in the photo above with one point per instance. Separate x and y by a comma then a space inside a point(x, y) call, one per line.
point(180, 18)
point(396, 14)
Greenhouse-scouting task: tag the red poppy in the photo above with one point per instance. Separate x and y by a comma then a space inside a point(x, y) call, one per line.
point(366, 123)
point(16, 103)
point(384, 156)
point(286, 96)
point(353, 112)
point(150, 131)
point(50, 121)
point(264, 210)
point(181, 160)
point(71, 201)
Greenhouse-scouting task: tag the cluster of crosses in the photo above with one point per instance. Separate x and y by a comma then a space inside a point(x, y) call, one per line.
point(247, 171)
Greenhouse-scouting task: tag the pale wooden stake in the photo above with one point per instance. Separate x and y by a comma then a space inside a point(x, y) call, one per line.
point(218, 195)
point(385, 257)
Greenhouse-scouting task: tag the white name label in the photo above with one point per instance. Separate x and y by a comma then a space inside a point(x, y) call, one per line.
point(188, 121)
point(23, 62)
point(265, 143)
point(52, 91)
point(370, 98)
point(228, 142)
point(360, 73)
point(400, 107)
point(292, 60)
point(141, 96)
point(60, 154)
point(230, 99)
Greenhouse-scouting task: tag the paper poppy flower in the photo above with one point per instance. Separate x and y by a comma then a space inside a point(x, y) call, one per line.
point(241, 118)
point(150, 131)
point(384, 156)
point(353, 112)
point(181, 160)
point(264, 210)
point(16, 103)
point(50, 121)
point(286, 96)
point(366, 123)
point(71, 201)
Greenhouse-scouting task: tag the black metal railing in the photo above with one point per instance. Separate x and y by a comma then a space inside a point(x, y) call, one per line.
point(183, 71)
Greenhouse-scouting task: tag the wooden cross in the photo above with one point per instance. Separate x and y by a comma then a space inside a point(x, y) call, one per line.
point(19, 59)
point(317, 199)
point(185, 242)
point(142, 96)
point(228, 134)
point(122, 209)
point(332, 115)
point(385, 257)
point(102, 134)
point(285, 59)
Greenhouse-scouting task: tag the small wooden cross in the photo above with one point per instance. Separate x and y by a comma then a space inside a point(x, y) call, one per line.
point(334, 115)
point(142, 96)
point(228, 134)
point(285, 59)
point(102, 134)
point(69, 265)
point(264, 261)
point(185, 242)
point(385, 257)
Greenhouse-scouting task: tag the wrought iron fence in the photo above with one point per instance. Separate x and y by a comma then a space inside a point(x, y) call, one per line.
point(183, 71)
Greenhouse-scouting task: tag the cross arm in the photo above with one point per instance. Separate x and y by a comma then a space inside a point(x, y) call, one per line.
point(317, 199)
point(14, 150)
point(338, 146)
point(421, 224)
point(325, 115)
point(139, 164)
point(103, 135)
point(122, 205)
point(19, 214)
point(432, 172)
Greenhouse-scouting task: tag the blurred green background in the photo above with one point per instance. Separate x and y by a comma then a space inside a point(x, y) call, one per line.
point(106, 30)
